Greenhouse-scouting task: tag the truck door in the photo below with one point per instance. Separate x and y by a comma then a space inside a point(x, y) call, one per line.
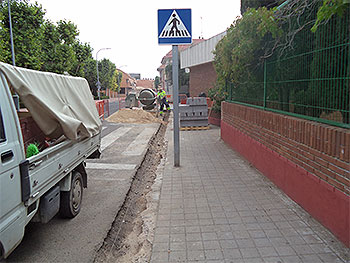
point(10, 156)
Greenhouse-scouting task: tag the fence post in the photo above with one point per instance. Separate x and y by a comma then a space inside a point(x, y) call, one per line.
point(264, 102)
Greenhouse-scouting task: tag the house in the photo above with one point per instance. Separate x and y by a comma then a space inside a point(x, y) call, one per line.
point(127, 83)
point(165, 77)
point(198, 59)
point(145, 83)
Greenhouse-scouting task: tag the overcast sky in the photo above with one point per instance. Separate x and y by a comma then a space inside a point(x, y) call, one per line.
point(129, 27)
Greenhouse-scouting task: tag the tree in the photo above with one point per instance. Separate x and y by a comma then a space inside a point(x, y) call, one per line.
point(156, 82)
point(239, 57)
point(58, 56)
point(27, 21)
point(245, 4)
point(305, 71)
point(63, 52)
point(43, 45)
point(107, 71)
point(67, 31)
point(240, 53)
point(328, 9)
point(90, 75)
point(117, 80)
point(83, 54)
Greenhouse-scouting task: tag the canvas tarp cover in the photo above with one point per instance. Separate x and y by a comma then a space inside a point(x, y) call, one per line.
point(60, 105)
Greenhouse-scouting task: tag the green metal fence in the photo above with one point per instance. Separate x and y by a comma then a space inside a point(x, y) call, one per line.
point(311, 80)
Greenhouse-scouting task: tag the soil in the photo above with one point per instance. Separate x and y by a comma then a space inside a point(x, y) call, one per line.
point(134, 115)
point(131, 234)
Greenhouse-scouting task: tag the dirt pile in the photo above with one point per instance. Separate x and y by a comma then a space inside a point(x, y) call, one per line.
point(133, 116)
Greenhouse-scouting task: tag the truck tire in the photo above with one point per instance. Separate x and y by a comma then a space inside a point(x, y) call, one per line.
point(71, 200)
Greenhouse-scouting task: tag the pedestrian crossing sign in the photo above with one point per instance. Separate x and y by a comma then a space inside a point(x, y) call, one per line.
point(174, 26)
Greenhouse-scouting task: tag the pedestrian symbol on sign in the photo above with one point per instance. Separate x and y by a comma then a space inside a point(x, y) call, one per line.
point(174, 28)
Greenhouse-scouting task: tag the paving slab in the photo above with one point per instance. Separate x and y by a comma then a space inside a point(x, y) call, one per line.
point(216, 207)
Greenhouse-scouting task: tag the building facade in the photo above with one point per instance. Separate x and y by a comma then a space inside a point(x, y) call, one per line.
point(199, 58)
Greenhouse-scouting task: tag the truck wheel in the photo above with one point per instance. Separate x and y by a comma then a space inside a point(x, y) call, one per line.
point(71, 200)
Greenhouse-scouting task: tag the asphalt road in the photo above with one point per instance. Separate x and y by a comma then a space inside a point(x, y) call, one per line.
point(109, 178)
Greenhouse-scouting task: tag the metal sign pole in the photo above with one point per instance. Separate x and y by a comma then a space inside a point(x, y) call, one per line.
point(175, 53)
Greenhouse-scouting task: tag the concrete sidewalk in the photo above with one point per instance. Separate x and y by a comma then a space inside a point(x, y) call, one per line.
point(217, 208)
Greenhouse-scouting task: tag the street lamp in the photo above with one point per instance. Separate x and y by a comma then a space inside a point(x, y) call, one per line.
point(15, 96)
point(11, 35)
point(98, 79)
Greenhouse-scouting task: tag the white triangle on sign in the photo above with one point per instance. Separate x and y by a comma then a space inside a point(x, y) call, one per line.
point(174, 28)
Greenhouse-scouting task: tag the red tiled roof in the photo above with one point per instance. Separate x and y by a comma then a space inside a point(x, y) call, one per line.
point(145, 83)
point(126, 76)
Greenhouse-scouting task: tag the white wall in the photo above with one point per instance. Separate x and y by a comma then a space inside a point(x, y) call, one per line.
point(200, 53)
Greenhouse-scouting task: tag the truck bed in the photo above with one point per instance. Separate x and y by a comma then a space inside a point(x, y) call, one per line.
point(31, 132)
point(57, 161)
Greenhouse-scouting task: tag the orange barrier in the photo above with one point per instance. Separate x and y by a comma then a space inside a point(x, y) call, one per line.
point(100, 108)
point(106, 105)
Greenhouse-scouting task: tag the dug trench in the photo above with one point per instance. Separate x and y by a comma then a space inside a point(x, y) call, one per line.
point(131, 234)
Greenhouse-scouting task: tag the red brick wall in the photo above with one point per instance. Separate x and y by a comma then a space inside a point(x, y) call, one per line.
point(320, 149)
point(202, 78)
point(290, 151)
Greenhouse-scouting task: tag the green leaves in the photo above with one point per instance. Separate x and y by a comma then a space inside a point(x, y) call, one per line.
point(39, 43)
point(27, 33)
point(240, 54)
point(67, 32)
point(328, 9)
point(106, 73)
point(117, 80)
point(54, 47)
point(242, 48)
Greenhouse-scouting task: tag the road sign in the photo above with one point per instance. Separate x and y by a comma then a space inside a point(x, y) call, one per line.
point(174, 26)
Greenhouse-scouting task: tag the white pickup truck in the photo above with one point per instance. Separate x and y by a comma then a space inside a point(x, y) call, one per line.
point(52, 181)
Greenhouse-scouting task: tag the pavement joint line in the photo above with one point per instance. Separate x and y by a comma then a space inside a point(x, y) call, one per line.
point(140, 143)
point(110, 166)
point(113, 136)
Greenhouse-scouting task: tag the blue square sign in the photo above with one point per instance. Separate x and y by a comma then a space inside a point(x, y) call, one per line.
point(174, 26)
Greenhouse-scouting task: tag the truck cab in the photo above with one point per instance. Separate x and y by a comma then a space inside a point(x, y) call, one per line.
point(12, 209)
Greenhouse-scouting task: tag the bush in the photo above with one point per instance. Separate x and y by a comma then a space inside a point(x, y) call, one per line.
point(240, 54)
point(217, 95)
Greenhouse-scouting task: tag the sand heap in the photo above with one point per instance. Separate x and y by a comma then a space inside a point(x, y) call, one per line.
point(133, 116)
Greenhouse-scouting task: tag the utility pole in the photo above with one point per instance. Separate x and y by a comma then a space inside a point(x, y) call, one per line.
point(11, 35)
point(15, 96)
point(98, 84)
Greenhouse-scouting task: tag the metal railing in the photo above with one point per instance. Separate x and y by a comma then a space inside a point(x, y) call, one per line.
point(311, 81)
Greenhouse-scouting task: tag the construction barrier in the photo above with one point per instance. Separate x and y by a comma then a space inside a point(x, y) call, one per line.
point(194, 113)
point(100, 108)
point(106, 106)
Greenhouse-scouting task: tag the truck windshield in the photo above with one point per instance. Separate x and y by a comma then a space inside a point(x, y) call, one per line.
point(2, 130)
